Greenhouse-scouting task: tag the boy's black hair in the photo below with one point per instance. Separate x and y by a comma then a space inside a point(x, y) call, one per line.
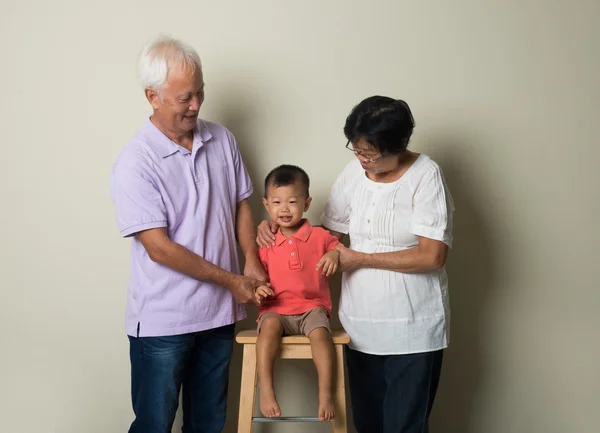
point(287, 175)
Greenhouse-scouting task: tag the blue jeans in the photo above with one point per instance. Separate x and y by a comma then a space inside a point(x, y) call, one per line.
point(393, 393)
point(161, 366)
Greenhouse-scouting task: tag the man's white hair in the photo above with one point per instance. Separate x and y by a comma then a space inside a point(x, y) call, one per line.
point(160, 55)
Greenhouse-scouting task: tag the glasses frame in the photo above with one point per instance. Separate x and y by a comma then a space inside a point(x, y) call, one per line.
point(359, 153)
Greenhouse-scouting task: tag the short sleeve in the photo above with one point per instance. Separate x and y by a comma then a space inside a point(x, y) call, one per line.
point(262, 254)
point(138, 202)
point(330, 242)
point(336, 215)
point(433, 208)
point(243, 183)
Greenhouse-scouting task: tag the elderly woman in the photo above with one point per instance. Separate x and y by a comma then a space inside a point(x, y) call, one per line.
point(396, 207)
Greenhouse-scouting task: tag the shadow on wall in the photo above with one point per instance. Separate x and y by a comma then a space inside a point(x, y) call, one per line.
point(471, 276)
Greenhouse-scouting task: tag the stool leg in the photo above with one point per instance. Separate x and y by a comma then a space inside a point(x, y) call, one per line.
point(339, 424)
point(248, 389)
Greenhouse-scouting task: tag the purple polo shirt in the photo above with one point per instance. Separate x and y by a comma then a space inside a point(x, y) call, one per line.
point(157, 183)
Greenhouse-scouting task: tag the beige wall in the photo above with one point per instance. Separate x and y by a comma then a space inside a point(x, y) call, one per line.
point(505, 96)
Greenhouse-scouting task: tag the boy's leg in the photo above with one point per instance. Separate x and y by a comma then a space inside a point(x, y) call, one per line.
point(270, 330)
point(316, 326)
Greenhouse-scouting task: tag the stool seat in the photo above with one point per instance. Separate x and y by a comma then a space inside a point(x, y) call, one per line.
point(292, 347)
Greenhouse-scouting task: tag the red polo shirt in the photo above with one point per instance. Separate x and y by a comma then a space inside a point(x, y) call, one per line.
point(292, 268)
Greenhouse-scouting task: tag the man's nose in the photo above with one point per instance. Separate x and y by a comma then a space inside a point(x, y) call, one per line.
point(195, 104)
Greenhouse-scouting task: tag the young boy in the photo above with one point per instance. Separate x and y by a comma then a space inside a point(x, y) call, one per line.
point(298, 266)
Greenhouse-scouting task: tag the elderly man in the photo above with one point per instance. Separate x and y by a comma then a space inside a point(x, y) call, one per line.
point(180, 190)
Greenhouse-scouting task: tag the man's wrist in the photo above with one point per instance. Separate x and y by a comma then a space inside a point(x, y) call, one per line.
point(225, 279)
point(251, 255)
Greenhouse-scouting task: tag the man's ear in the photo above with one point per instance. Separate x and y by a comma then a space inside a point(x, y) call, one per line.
point(307, 203)
point(153, 98)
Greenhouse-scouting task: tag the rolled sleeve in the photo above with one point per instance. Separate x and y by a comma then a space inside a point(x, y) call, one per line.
point(433, 209)
point(138, 202)
point(336, 215)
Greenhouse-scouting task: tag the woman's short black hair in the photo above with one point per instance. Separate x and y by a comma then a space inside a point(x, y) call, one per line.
point(287, 175)
point(384, 122)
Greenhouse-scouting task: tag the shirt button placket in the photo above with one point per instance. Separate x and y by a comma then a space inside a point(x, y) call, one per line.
point(294, 260)
point(371, 212)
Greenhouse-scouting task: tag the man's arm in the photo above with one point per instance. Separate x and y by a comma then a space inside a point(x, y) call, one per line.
point(161, 249)
point(429, 255)
point(245, 231)
point(246, 237)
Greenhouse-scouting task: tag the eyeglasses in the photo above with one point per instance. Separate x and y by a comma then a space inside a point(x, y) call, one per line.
point(368, 157)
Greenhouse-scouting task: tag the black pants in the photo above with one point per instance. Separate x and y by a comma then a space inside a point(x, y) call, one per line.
point(393, 393)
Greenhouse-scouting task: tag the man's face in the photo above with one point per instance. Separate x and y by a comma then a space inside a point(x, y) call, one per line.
point(178, 104)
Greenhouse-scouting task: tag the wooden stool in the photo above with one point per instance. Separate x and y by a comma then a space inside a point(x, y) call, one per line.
point(292, 347)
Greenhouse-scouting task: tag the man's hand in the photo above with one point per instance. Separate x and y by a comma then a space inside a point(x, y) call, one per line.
point(266, 233)
point(261, 293)
point(243, 288)
point(350, 260)
point(329, 262)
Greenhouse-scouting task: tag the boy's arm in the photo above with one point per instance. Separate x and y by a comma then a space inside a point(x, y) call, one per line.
point(329, 262)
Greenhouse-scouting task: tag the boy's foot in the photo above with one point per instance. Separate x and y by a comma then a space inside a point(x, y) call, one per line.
point(268, 404)
point(326, 407)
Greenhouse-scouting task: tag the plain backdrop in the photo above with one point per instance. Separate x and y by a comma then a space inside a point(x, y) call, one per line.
point(505, 94)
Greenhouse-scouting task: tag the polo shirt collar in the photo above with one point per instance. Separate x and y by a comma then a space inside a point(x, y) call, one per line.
point(164, 146)
point(302, 234)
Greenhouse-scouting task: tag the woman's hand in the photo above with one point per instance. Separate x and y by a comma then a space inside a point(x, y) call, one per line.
point(266, 233)
point(350, 260)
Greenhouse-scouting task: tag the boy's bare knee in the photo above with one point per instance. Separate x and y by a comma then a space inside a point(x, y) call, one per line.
point(271, 326)
point(319, 334)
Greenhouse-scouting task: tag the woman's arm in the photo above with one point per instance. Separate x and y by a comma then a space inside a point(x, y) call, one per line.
point(428, 256)
point(431, 224)
point(338, 235)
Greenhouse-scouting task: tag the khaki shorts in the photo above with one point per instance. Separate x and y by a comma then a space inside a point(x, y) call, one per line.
point(300, 324)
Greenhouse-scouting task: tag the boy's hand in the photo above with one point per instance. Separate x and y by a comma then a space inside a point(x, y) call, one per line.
point(261, 293)
point(329, 263)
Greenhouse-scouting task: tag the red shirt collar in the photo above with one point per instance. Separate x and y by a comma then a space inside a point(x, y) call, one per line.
point(302, 234)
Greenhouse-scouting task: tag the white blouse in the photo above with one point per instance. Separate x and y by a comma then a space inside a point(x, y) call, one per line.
point(389, 312)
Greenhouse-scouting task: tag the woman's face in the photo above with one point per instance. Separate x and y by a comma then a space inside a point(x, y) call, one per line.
point(372, 160)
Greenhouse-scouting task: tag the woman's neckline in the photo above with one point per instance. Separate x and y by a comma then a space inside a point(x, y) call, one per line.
point(405, 175)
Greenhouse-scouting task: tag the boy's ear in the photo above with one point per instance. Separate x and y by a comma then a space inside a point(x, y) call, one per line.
point(265, 202)
point(307, 203)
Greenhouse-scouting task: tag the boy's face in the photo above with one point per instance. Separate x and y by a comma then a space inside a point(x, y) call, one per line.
point(286, 204)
